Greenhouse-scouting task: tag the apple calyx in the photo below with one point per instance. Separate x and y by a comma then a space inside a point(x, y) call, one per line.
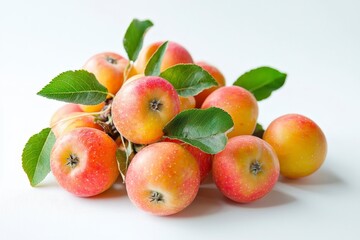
point(156, 197)
point(72, 160)
point(155, 105)
point(111, 60)
point(255, 167)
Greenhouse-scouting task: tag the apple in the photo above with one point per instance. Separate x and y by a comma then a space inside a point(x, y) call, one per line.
point(299, 142)
point(83, 162)
point(216, 74)
point(72, 121)
point(174, 54)
point(246, 170)
point(108, 68)
point(143, 107)
point(63, 111)
point(240, 104)
point(163, 178)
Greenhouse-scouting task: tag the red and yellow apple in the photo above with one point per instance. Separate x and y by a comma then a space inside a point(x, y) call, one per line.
point(69, 117)
point(83, 162)
point(72, 121)
point(240, 104)
point(216, 74)
point(246, 170)
point(108, 68)
point(163, 178)
point(300, 144)
point(143, 107)
point(63, 111)
point(174, 54)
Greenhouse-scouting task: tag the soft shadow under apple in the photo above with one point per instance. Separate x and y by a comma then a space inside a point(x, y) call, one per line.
point(208, 201)
point(117, 190)
point(321, 177)
point(275, 198)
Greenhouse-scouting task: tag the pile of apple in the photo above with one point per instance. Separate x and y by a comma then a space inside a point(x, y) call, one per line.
point(164, 123)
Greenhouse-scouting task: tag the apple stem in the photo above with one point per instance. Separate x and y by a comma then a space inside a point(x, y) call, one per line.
point(73, 160)
point(255, 167)
point(156, 197)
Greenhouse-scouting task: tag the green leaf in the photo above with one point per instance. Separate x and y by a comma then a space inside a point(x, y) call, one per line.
point(134, 36)
point(261, 81)
point(36, 156)
point(154, 64)
point(188, 79)
point(259, 131)
point(78, 86)
point(203, 128)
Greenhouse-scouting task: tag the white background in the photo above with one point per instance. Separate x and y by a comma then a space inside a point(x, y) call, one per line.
point(316, 42)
